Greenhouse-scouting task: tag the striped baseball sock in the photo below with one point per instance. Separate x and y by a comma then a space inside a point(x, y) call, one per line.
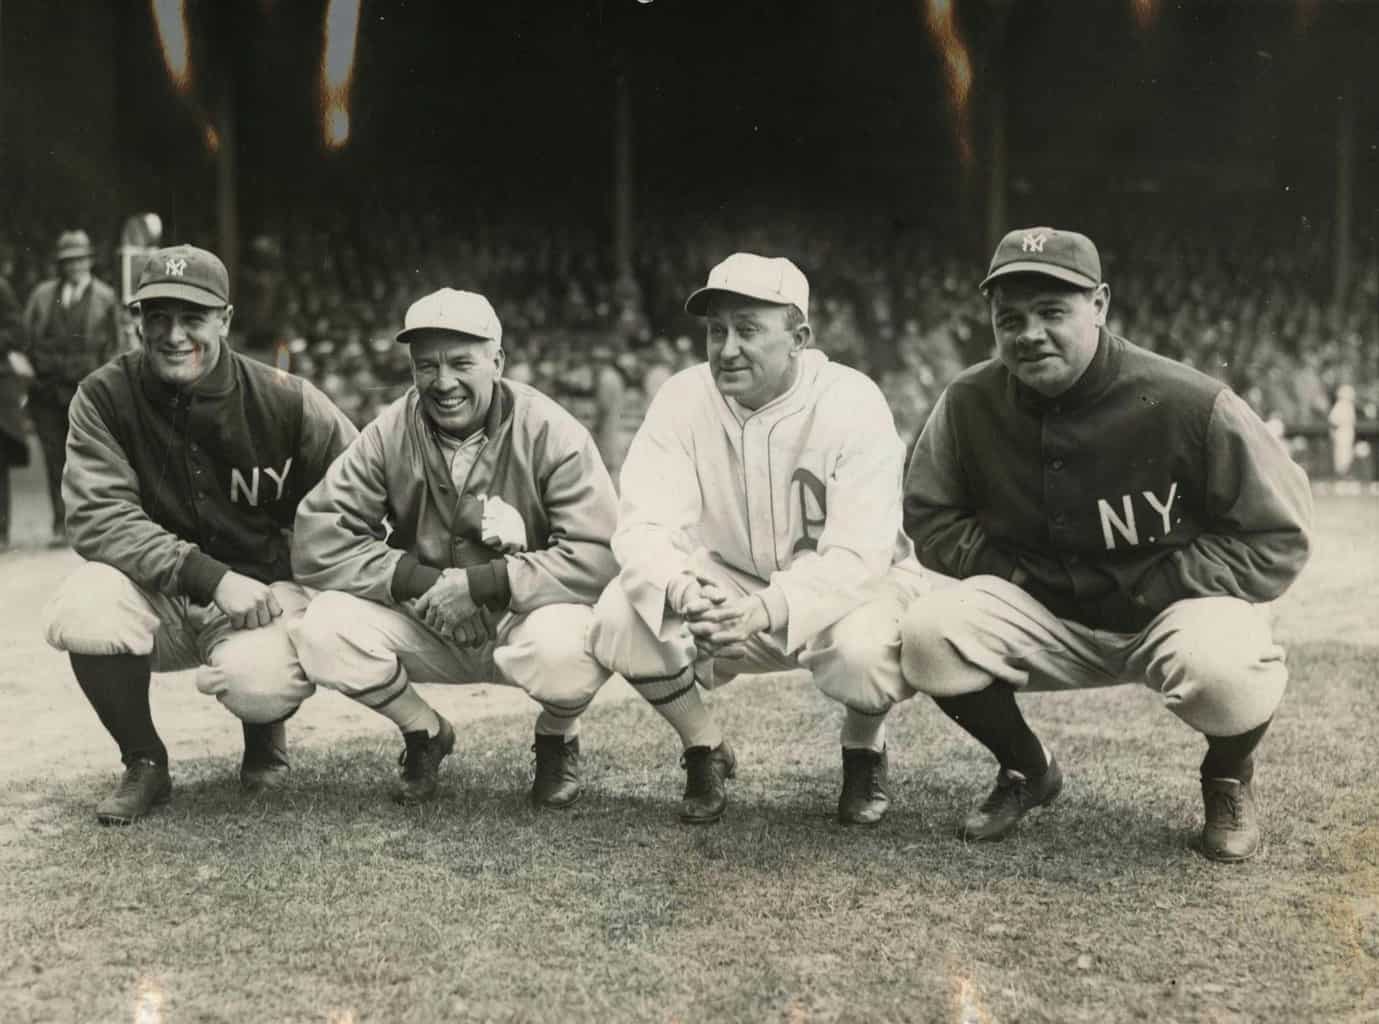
point(676, 699)
point(864, 732)
point(399, 703)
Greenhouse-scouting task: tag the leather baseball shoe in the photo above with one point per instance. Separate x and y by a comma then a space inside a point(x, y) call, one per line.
point(265, 764)
point(1231, 833)
point(705, 771)
point(864, 800)
point(421, 760)
point(557, 771)
point(144, 785)
point(1010, 799)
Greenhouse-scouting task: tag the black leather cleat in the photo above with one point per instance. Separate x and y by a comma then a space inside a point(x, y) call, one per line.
point(265, 764)
point(1011, 799)
point(144, 786)
point(421, 761)
point(706, 769)
point(1231, 832)
point(864, 799)
point(557, 782)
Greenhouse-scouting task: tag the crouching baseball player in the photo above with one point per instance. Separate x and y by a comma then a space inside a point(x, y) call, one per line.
point(185, 464)
point(1113, 516)
point(760, 530)
point(500, 512)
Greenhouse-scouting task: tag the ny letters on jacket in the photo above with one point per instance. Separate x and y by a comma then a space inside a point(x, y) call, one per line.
point(1146, 483)
point(172, 486)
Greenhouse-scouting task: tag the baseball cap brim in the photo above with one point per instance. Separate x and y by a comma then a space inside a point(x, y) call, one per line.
point(1043, 269)
point(698, 302)
point(185, 292)
point(410, 334)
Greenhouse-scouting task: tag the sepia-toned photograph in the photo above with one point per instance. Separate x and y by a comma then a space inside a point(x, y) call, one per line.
point(689, 511)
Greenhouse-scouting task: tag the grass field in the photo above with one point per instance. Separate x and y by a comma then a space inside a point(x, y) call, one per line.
point(327, 903)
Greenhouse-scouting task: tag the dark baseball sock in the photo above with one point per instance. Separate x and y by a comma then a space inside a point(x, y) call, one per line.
point(994, 720)
point(117, 687)
point(1232, 757)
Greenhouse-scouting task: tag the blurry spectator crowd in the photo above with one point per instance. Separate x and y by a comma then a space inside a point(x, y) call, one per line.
point(324, 295)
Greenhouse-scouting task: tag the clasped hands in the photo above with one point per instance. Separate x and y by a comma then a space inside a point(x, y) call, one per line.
point(720, 625)
point(449, 609)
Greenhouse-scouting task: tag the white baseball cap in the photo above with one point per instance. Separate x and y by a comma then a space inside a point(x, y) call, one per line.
point(757, 277)
point(450, 309)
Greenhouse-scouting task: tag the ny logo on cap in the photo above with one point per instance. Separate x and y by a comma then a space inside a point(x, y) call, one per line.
point(175, 267)
point(1033, 242)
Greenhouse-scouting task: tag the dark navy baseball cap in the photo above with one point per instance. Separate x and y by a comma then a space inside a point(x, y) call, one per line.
point(1064, 255)
point(187, 273)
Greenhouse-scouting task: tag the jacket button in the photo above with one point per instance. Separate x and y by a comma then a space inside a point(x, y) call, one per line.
point(1056, 464)
point(1060, 518)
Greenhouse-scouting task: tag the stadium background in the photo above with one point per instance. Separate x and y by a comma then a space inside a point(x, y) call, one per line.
point(584, 164)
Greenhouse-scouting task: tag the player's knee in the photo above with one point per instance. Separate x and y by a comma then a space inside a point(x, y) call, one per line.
point(866, 692)
point(263, 701)
point(551, 660)
point(929, 662)
point(255, 677)
point(857, 661)
point(621, 642)
point(321, 635)
point(99, 610)
point(1217, 641)
point(1220, 668)
point(573, 687)
point(563, 632)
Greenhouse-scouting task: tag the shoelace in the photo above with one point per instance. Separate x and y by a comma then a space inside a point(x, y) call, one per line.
point(549, 769)
point(1008, 788)
point(864, 783)
point(699, 772)
point(1229, 802)
point(413, 757)
point(134, 777)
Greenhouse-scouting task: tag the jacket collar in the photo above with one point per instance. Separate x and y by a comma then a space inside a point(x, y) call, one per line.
point(1100, 372)
point(220, 381)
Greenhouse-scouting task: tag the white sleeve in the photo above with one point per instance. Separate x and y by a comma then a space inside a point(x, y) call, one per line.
point(659, 504)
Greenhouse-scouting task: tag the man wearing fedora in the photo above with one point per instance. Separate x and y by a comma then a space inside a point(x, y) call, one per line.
point(185, 465)
point(70, 327)
point(462, 538)
point(759, 531)
point(1113, 516)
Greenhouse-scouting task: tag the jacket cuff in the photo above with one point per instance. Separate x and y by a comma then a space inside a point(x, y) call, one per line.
point(200, 575)
point(488, 584)
point(411, 578)
point(777, 608)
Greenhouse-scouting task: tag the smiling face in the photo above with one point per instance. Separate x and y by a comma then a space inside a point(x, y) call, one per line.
point(182, 340)
point(753, 347)
point(1046, 331)
point(454, 375)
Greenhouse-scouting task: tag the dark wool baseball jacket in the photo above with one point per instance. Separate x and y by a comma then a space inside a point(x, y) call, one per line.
point(176, 486)
point(1145, 483)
